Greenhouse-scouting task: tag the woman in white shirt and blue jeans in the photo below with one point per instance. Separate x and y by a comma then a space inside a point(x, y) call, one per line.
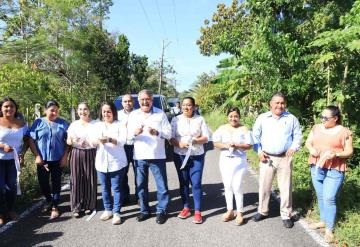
point(12, 132)
point(110, 162)
point(189, 131)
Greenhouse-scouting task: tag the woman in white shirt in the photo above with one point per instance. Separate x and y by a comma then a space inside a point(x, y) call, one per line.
point(189, 133)
point(82, 163)
point(12, 132)
point(109, 136)
point(233, 139)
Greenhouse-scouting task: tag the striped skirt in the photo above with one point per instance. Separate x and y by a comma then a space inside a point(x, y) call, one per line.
point(83, 181)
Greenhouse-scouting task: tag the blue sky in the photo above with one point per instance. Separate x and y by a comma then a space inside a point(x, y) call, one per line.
point(147, 22)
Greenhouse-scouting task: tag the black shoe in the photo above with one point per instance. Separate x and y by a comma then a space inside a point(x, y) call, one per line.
point(142, 217)
point(288, 223)
point(258, 217)
point(161, 218)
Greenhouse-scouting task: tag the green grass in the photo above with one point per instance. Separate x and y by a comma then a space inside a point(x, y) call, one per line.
point(29, 185)
point(215, 119)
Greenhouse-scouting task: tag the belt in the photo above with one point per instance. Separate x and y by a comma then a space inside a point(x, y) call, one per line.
point(276, 155)
point(232, 156)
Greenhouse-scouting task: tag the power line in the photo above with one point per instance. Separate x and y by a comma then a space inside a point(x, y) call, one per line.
point(161, 20)
point(176, 29)
point(146, 16)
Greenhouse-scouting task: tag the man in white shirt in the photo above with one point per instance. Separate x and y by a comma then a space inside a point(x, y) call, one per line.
point(149, 128)
point(123, 116)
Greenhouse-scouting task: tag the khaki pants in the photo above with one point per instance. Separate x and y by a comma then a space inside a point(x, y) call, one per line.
point(283, 167)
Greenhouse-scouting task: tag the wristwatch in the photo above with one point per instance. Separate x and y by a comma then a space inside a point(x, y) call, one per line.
point(110, 139)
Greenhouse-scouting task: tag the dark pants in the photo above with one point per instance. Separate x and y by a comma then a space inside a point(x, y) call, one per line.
point(191, 173)
point(52, 194)
point(7, 185)
point(129, 150)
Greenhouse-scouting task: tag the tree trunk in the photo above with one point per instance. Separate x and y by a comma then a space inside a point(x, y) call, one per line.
point(328, 85)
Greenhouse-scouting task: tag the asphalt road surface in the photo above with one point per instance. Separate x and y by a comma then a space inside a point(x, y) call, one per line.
point(38, 230)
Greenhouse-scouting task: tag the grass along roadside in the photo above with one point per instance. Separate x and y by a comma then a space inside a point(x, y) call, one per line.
point(347, 228)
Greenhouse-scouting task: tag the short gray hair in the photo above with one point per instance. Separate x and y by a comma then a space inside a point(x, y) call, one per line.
point(278, 94)
point(147, 92)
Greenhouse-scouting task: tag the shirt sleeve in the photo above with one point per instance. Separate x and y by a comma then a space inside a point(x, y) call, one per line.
point(25, 130)
point(297, 135)
point(173, 127)
point(256, 135)
point(32, 131)
point(165, 131)
point(204, 128)
point(217, 135)
point(71, 129)
point(132, 125)
point(121, 134)
point(249, 138)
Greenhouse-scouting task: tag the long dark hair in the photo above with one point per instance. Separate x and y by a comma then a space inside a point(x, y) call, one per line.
point(112, 108)
point(7, 99)
point(335, 112)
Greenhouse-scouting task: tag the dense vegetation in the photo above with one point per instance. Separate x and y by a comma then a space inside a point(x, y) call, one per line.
point(310, 51)
point(60, 50)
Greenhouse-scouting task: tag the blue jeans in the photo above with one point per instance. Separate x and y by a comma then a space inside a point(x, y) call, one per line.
point(327, 183)
point(158, 169)
point(7, 185)
point(111, 181)
point(51, 194)
point(191, 173)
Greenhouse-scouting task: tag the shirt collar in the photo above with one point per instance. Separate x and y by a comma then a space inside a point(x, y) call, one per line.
point(284, 114)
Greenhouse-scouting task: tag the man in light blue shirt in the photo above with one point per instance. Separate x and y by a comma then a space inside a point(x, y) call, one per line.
point(277, 136)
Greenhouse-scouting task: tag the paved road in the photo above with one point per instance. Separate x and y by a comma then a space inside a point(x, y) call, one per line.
point(37, 230)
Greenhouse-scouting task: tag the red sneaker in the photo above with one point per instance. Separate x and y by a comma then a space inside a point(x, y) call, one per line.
point(185, 213)
point(197, 218)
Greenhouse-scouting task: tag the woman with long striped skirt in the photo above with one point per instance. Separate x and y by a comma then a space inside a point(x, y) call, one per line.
point(82, 164)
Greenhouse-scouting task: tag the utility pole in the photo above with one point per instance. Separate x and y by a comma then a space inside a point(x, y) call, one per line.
point(162, 64)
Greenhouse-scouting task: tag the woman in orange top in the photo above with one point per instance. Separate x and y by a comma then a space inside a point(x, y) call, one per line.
point(329, 144)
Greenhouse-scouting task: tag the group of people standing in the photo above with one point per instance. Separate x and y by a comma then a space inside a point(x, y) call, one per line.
point(104, 149)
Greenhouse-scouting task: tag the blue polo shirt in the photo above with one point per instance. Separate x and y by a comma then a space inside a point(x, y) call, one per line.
point(50, 138)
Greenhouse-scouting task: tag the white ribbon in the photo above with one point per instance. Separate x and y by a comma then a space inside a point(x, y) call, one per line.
point(188, 152)
point(91, 215)
point(17, 165)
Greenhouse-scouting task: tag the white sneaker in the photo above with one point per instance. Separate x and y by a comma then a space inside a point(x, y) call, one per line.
point(106, 215)
point(116, 219)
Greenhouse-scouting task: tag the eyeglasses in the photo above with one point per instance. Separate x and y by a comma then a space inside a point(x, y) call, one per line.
point(325, 118)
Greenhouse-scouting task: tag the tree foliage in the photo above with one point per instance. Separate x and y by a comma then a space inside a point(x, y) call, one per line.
point(66, 41)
